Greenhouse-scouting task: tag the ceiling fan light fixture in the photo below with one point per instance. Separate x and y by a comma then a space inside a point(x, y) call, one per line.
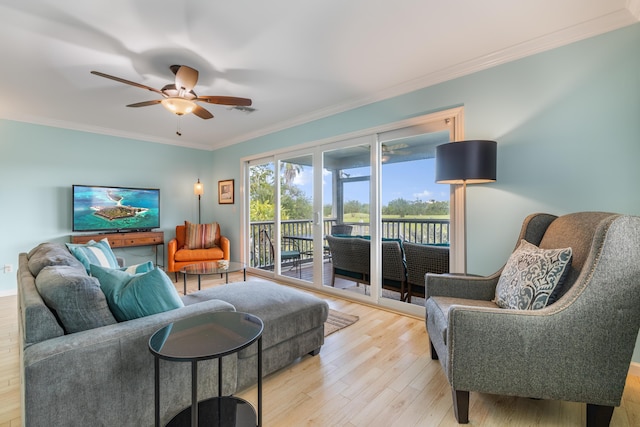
point(179, 106)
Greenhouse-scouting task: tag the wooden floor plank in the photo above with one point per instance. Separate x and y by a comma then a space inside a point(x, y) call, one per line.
point(376, 372)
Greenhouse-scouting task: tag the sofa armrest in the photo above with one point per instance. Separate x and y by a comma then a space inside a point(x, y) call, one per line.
point(114, 363)
point(461, 286)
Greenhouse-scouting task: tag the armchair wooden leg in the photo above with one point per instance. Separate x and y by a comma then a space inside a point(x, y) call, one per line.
point(434, 353)
point(461, 405)
point(599, 415)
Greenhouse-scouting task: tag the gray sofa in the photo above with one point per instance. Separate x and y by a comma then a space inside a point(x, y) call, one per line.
point(105, 377)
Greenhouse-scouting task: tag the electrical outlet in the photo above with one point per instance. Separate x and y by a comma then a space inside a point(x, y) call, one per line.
point(8, 268)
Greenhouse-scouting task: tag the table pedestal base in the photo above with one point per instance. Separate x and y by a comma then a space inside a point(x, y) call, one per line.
point(219, 411)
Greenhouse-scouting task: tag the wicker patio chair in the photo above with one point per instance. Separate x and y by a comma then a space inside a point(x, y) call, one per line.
point(351, 261)
point(394, 270)
point(341, 229)
point(423, 259)
point(293, 255)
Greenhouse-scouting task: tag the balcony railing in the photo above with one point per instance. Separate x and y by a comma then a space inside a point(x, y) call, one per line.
point(425, 231)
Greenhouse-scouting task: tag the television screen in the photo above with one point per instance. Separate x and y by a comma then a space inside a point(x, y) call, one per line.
point(114, 209)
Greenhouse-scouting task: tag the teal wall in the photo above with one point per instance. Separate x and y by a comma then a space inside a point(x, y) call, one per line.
point(39, 164)
point(567, 124)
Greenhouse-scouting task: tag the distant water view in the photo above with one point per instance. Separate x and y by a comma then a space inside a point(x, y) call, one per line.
point(104, 208)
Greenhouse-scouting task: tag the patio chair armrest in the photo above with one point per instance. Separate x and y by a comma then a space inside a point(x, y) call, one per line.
point(461, 286)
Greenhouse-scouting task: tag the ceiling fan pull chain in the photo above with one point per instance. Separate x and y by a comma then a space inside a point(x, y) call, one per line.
point(178, 131)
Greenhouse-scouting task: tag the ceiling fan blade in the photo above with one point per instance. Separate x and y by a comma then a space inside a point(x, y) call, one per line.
point(145, 103)
point(128, 82)
point(186, 77)
point(225, 100)
point(202, 113)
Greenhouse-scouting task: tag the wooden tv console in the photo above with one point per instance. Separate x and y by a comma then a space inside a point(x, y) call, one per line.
point(126, 240)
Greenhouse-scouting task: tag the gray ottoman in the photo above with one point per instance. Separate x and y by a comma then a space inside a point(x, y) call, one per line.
point(293, 323)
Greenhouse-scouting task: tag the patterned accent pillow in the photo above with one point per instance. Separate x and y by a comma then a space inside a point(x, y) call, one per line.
point(201, 236)
point(92, 252)
point(531, 275)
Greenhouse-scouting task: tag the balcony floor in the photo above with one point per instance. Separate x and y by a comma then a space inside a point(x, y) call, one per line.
point(307, 275)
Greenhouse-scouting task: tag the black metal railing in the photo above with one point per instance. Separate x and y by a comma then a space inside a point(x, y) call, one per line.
point(425, 231)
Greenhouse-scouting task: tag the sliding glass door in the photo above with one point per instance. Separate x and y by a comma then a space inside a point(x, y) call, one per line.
point(338, 214)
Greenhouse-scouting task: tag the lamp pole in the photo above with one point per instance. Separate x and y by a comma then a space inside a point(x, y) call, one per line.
point(198, 190)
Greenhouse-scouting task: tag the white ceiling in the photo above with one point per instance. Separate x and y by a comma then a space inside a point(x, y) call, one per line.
point(298, 60)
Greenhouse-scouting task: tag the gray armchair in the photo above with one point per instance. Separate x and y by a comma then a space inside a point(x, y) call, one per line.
point(577, 349)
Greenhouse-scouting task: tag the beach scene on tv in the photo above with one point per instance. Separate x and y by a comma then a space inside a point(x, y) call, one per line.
point(115, 208)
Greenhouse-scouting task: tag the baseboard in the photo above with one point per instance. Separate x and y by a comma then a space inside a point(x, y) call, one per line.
point(8, 292)
point(634, 369)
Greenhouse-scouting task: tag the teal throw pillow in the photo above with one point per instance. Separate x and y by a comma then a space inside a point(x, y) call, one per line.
point(131, 296)
point(92, 252)
point(145, 267)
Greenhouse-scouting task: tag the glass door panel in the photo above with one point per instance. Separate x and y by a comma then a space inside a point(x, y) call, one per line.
point(296, 217)
point(414, 208)
point(261, 215)
point(346, 214)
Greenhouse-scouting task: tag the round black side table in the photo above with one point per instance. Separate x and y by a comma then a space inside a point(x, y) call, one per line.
point(209, 336)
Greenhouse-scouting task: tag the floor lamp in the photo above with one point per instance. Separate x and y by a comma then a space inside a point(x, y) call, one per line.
point(198, 190)
point(466, 162)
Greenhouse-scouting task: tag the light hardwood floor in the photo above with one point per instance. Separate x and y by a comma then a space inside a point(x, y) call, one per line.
point(377, 372)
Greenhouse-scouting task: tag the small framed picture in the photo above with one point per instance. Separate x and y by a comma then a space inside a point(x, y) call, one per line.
point(225, 192)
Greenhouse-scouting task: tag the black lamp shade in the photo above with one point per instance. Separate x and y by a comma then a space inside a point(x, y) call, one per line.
point(470, 162)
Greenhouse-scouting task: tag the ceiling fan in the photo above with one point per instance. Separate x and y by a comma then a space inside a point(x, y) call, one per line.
point(396, 149)
point(179, 97)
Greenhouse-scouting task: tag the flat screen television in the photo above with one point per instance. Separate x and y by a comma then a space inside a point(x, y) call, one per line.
point(115, 209)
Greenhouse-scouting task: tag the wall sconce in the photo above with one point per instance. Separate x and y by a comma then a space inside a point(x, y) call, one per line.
point(198, 190)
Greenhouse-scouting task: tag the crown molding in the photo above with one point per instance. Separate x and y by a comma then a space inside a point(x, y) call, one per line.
point(585, 30)
point(633, 6)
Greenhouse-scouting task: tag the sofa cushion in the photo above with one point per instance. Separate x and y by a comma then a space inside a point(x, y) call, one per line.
point(286, 312)
point(92, 252)
point(46, 254)
point(76, 298)
point(531, 276)
point(131, 296)
point(201, 236)
point(437, 309)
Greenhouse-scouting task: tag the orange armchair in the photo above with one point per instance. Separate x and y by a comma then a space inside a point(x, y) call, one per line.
point(178, 255)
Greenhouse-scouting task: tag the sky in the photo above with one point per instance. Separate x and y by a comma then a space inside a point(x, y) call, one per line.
point(408, 180)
